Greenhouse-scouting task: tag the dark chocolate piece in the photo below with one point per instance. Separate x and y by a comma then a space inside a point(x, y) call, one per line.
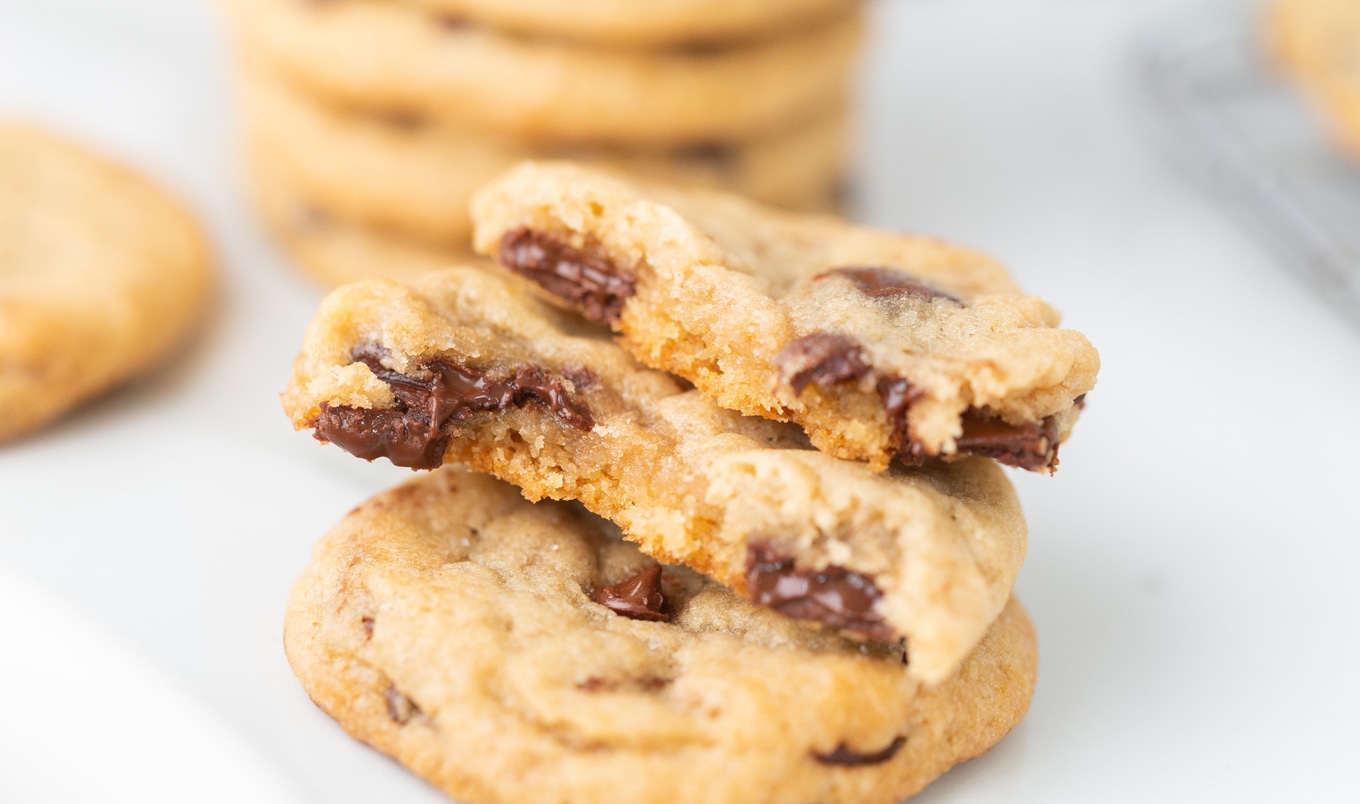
point(373, 434)
point(844, 756)
point(416, 432)
point(593, 286)
point(400, 708)
point(638, 597)
point(898, 395)
point(823, 359)
point(1031, 446)
point(834, 596)
point(885, 283)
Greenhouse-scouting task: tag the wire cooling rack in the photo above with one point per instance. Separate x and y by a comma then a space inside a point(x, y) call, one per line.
point(1245, 136)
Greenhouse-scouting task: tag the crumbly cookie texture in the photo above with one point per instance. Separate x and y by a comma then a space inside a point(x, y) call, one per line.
point(467, 367)
point(101, 275)
point(1317, 42)
point(380, 55)
point(415, 177)
point(880, 345)
point(504, 651)
point(626, 24)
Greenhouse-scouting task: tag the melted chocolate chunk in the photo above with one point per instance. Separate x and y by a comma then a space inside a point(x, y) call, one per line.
point(593, 286)
point(885, 283)
point(898, 395)
point(453, 22)
point(430, 403)
point(400, 708)
point(834, 596)
point(368, 627)
point(373, 434)
point(1031, 446)
point(823, 359)
point(844, 756)
point(638, 598)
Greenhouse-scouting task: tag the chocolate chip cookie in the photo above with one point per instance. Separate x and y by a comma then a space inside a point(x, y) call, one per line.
point(384, 56)
point(465, 366)
point(882, 346)
point(513, 652)
point(415, 177)
point(102, 274)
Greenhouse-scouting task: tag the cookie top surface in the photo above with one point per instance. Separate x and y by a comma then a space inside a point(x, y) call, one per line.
point(380, 55)
point(465, 366)
point(456, 626)
point(624, 23)
point(880, 345)
point(101, 274)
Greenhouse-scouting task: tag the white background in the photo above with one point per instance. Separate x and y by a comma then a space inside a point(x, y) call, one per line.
point(1191, 569)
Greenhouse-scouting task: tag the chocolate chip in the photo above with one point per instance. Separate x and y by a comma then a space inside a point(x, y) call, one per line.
point(399, 119)
point(429, 403)
point(1080, 402)
point(593, 286)
point(722, 156)
point(823, 359)
point(583, 378)
point(453, 22)
point(372, 434)
point(898, 395)
point(646, 684)
point(833, 596)
point(885, 283)
point(844, 756)
point(1031, 446)
point(310, 217)
point(400, 708)
point(367, 622)
point(638, 598)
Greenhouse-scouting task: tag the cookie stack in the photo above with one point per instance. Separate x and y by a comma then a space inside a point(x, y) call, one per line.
point(369, 123)
point(791, 580)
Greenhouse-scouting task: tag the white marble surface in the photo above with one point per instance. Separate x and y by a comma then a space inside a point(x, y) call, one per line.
point(1191, 569)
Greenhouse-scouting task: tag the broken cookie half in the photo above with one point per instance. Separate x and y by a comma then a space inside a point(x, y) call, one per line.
point(467, 367)
point(464, 631)
point(882, 346)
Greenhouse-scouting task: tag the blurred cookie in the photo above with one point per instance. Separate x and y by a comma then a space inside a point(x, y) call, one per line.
point(101, 275)
point(882, 346)
point(513, 652)
point(384, 56)
point(628, 24)
point(416, 178)
point(466, 366)
point(333, 249)
point(1318, 43)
